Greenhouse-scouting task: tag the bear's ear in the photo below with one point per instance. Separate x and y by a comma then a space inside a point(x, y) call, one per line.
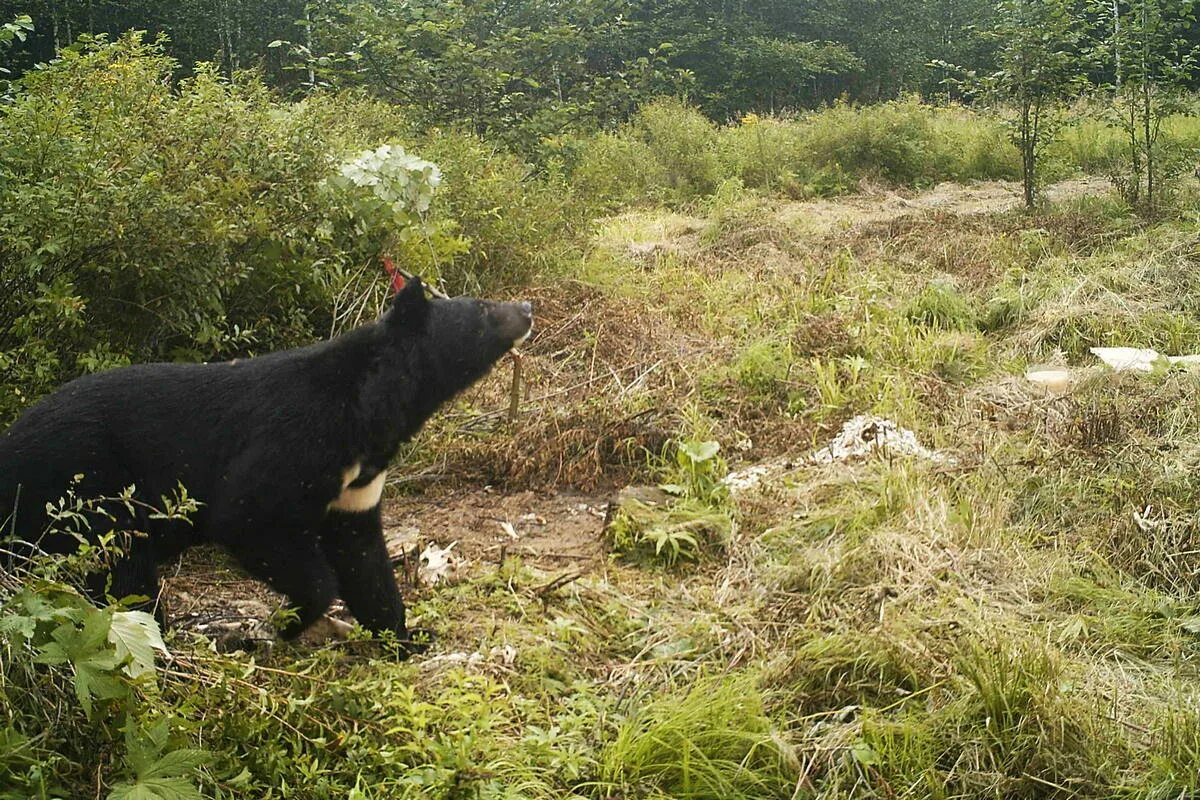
point(410, 306)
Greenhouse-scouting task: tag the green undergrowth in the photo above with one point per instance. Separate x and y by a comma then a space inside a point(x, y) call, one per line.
point(1013, 611)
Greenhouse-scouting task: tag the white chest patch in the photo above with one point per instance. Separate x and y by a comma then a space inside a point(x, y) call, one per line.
point(358, 498)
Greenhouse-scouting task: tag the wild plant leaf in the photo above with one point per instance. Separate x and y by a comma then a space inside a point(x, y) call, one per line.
point(156, 789)
point(135, 636)
point(88, 652)
point(20, 624)
point(94, 679)
point(175, 764)
point(864, 754)
point(700, 452)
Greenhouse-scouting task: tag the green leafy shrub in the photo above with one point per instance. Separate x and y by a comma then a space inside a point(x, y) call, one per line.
point(767, 154)
point(517, 223)
point(889, 142)
point(669, 150)
point(615, 169)
point(905, 142)
point(683, 142)
point(90, 669)
point(141, 221)
point(970, 146)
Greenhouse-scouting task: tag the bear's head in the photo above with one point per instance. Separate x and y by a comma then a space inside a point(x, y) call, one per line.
point(456, 340)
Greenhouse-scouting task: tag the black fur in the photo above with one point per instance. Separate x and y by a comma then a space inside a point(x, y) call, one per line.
point(263, 444)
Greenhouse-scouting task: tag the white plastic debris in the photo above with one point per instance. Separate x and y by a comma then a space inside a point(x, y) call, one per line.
point(436, 563)
point(866, 434)
point(747, 478)
point(1146, 523)
point(505, 655)
point(460, 658)
point(1123, 359)
point(499, 656)
point(1056, 379)
point(1138, 359)
point(1120, 359)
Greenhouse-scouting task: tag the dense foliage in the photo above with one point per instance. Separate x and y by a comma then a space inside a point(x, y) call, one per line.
point(525, 70)
point(146, 220)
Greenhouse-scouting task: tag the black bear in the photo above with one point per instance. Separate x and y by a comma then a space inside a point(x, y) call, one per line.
point(287, 452)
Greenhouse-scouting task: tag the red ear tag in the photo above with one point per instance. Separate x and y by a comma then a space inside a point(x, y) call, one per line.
point(397, 277)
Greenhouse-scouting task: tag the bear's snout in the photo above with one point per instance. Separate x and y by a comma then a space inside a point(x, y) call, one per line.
point(514, 321)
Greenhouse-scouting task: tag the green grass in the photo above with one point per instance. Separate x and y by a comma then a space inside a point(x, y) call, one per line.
point(1017, 619)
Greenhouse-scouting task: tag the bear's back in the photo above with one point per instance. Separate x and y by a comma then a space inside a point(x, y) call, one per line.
point(154, 426)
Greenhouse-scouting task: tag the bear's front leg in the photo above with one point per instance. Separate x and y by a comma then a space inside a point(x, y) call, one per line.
point(353, 542)
point(290, 562)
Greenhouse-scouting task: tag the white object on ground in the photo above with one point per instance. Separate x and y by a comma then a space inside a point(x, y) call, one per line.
point(1056, 379)
point(866, 434)
point(499, 656)
point(1142, 360)
point(749, 477)
point(1120, 359)
point(1123, 359)
point(436, 563)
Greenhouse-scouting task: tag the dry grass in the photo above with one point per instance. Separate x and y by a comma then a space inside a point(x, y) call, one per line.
point(1014, 619)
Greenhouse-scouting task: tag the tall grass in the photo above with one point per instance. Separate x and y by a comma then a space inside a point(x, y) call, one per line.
point(710, 742)
point(671, 152)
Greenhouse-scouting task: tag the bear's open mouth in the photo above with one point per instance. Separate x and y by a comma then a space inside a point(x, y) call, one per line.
point(524, 337)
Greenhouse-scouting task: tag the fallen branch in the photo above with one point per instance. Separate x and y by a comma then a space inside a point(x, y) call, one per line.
point(559, 582)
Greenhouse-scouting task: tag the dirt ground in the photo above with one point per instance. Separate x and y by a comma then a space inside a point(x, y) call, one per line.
point(552, 531)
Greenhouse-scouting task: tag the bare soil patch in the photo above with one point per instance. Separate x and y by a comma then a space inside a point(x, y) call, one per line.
point(206, 592)
point(548, 529)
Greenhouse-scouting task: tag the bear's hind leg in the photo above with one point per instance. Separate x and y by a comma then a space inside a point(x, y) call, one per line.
point(132, 569)
point(135, 573)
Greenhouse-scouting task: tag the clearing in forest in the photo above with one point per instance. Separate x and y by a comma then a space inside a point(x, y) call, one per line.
point(1001, 605)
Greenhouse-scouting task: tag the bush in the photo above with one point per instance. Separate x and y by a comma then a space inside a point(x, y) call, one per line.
point(517, 223)
point(141, 221)
point(767, 153)
point(971, 146)
point(671, 152)
point(904, 142)
point(888, 143)
point(615, 169)
point(683, 143)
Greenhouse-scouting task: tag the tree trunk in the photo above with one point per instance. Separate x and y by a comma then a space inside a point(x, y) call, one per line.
point(308, 43)
point(54, 27)
point(1028, 165)
point(1148, 142)
point(1116, 12)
